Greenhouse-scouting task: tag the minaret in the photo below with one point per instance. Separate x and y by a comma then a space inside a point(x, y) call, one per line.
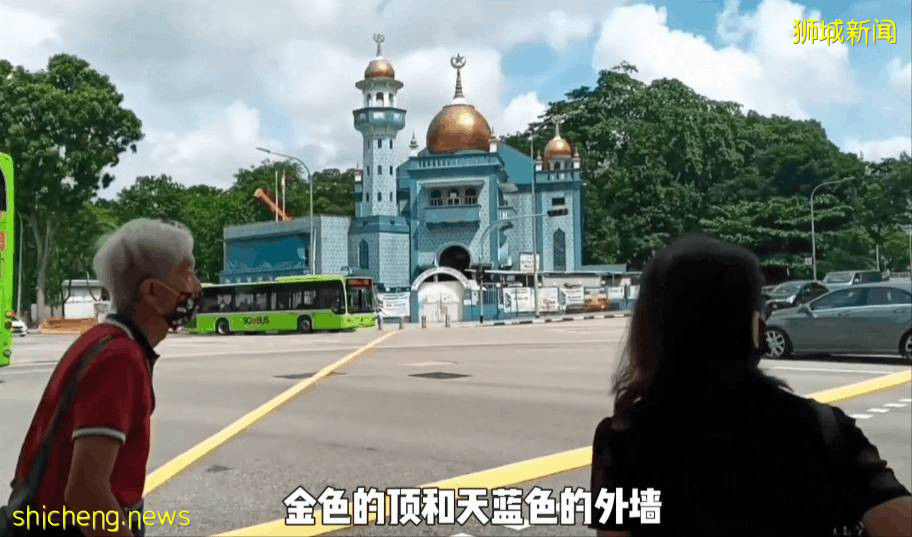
point(379, 121)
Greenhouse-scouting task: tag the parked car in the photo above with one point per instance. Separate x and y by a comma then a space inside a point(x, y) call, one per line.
point(18, 327)
point(845, 278)
point(793, 293)
point(874, 318)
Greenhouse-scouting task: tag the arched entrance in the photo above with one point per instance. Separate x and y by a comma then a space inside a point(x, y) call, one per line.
point(441, 291)
point(455, 257)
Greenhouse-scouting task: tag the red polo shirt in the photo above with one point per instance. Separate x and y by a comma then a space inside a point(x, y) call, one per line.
point(114, 399)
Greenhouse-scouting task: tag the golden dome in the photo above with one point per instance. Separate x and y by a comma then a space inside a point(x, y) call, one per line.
point(458, 127)
point(557, 148)
point(379, 68)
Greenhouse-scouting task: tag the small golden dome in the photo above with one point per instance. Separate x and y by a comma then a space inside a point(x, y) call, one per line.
point(558, 148)
point(458, 127)
point(379, 68)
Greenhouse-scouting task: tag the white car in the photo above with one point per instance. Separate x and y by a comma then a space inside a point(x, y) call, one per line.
point(19, 327)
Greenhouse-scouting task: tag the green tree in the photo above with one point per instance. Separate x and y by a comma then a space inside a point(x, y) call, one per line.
point(64, 126)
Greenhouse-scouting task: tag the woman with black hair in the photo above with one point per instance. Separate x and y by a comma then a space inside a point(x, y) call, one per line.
point(731, 450)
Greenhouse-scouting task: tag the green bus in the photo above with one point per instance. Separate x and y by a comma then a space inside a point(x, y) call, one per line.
point(7, 247)
point(290, 303)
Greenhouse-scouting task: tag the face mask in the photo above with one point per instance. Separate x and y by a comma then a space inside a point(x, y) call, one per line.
point(185, 310)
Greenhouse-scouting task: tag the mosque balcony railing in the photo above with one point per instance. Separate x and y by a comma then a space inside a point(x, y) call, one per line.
point(388, 117)
point(433, 162)
point(452, 214)
point(557, 175)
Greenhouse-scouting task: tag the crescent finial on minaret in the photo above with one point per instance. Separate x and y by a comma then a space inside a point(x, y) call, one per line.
point(379, 38)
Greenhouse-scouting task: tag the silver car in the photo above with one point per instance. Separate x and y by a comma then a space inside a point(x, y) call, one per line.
point(872, 318)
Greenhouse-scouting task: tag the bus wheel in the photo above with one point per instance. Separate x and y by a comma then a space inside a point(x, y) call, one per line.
point(221, 327)
point(304, 325)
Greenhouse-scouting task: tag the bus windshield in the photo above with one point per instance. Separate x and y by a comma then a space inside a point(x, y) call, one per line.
point(360, 296)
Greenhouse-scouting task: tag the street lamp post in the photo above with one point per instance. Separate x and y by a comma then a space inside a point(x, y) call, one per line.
point(497, 223)
point(908, 229)
point(534, 230)
point(310, 183)
point(19, 245)
point(813, 235)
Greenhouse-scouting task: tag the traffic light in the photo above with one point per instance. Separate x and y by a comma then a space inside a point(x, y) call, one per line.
point(558, 212)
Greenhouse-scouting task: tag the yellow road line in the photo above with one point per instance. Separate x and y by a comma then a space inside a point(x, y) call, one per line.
point(541, 467)
point(185, 459)
point(862, 388)
point(501, 476)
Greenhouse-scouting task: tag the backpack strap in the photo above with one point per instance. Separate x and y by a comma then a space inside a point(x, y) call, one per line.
point(30, 485)
point(834, 450)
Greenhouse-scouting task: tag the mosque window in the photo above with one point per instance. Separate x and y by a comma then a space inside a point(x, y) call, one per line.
point(391, 196)
point(379, 143)
point(379, 170)
point(391, 99)
point(453, 197)
point(471, 196)
point(560, 250)
point(558, 202)
point(391, 143)
point(379, 196)
point(363, 255)
point(391, 170)
point(380, 98)
point(436, 198)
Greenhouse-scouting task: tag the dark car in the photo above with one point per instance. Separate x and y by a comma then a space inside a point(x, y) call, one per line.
point(793, 293)
point(870, 318)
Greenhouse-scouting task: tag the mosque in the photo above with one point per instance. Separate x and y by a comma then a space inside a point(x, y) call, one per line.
point(422, 226)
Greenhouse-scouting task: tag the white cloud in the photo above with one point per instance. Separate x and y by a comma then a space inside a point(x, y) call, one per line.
point(26, 37)
point(901, 77)
point(769, 73)
point(181, 64)
point(731, 25)
point(209, 154)
point(875, 150)
point(521, 111)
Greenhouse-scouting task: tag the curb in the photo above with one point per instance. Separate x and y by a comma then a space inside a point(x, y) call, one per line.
point(556, 319)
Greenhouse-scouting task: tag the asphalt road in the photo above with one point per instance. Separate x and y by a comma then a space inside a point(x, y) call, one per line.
point(513, 393)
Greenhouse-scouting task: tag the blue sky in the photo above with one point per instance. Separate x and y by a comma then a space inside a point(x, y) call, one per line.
point(211, 81)
point(879, 113)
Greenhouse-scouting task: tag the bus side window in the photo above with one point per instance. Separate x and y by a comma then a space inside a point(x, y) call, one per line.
point(282, 296)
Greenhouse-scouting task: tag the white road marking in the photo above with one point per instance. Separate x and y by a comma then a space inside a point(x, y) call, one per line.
point(519, 527)
point(27, 371)
point(461, 535)
point(895, 405)
point(878, 410)
point(906, 400)
point(860, 416)
point(825, 370)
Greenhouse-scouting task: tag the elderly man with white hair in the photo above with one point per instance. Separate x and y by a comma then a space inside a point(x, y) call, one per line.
point(88, 443)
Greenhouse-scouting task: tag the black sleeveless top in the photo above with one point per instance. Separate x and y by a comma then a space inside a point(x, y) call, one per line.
point(753, 461)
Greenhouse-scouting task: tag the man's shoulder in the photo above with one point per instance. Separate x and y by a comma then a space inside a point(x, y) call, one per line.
point(119, 347)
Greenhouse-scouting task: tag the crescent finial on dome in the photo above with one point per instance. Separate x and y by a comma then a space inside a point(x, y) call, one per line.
point(379, 39)
point(458, 62)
